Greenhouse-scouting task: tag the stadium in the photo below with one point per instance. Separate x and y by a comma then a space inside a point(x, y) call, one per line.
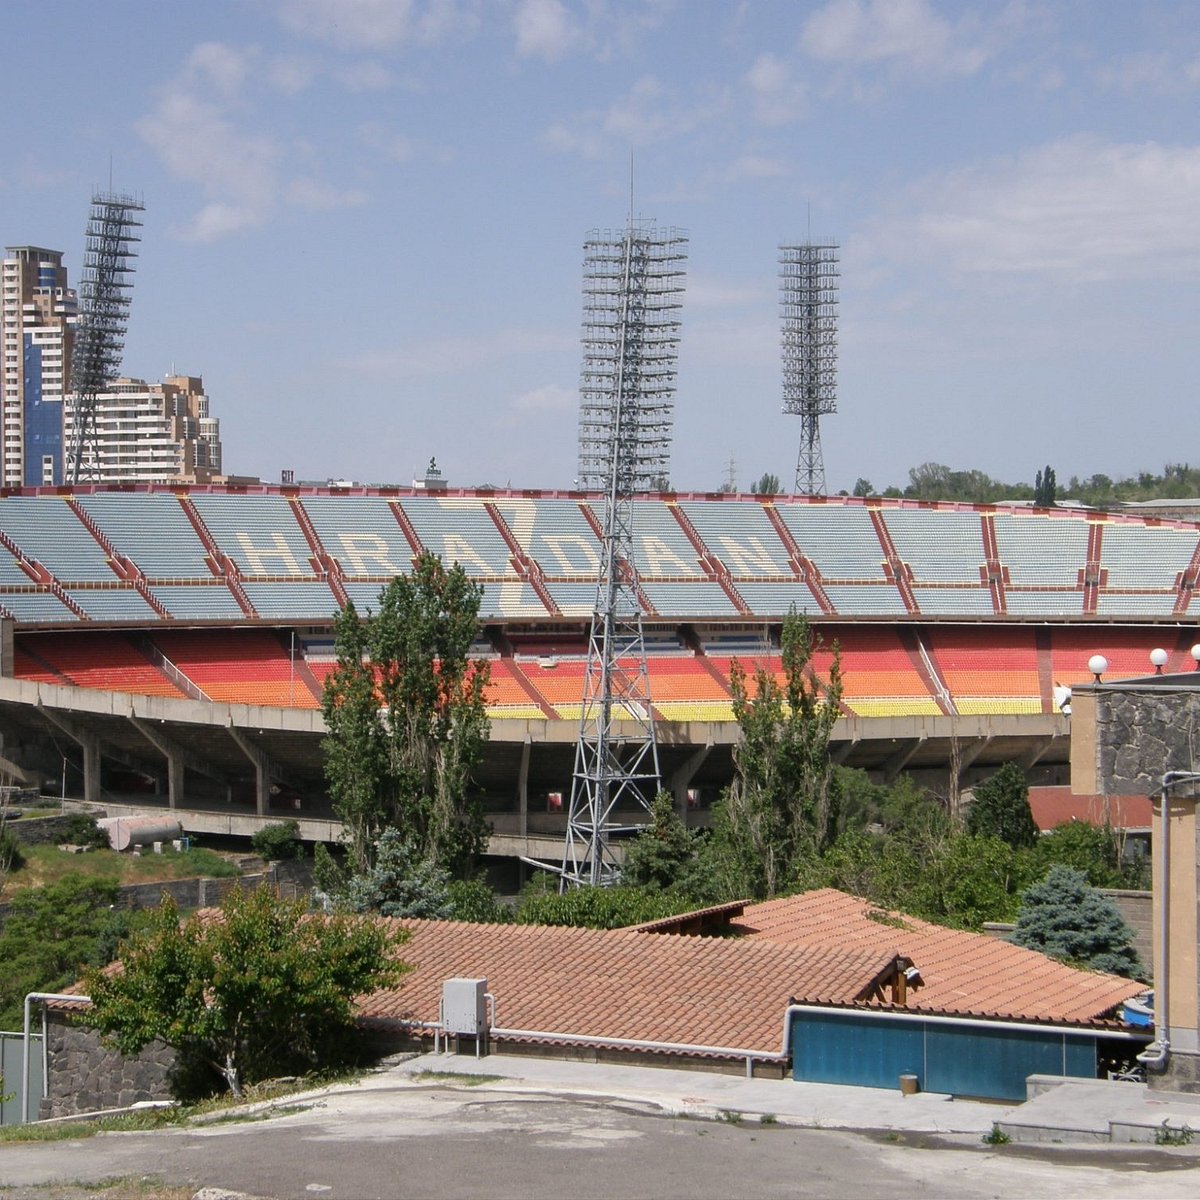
point(166, 646)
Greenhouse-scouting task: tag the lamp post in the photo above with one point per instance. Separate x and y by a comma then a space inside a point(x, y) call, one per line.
point(1098, 664)
point(1158, 659)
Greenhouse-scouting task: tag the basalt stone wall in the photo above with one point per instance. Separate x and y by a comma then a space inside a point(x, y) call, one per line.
point(40, 831)
point(86, 1076)
point(1140, 735)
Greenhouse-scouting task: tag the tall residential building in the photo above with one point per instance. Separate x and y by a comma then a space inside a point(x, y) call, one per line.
point(152, 433)
point(37, 315)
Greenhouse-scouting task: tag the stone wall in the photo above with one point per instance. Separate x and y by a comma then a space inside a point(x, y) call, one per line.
point(40, 831)
point(87, 1076)
point(1143, 733)
point(1137, 908)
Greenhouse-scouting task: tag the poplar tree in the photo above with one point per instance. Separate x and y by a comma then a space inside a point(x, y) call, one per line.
point(407, 719)
point(781, 809)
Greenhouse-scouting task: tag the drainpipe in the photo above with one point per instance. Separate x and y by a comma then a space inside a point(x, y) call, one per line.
point(1156, 1054)
point(41, 997)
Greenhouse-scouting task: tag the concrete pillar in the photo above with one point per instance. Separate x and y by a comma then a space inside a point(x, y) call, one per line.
point(88, 743)
point(523, 788)
point(682, 777)
point(262, 768)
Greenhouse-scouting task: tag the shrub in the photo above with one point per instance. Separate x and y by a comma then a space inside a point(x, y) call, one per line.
point(1064, 917)
point(11, 858)
point(82, 830)
point(278, 841)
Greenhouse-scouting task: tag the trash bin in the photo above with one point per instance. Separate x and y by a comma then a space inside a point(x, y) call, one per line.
point(910, 1085)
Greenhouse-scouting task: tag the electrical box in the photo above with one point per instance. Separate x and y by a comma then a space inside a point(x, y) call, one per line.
point(464, 1006)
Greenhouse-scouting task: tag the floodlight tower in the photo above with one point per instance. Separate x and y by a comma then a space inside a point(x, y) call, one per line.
point(103, 315)
point(808, 277)
point(633, 280)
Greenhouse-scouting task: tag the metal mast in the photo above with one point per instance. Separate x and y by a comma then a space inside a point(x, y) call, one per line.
point(103, 315)
point(633, 281)
point(808, 278)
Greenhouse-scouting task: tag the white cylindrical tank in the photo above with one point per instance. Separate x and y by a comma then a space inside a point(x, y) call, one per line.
point(124, 832)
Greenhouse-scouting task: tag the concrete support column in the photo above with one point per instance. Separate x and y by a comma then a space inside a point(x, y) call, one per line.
point(88, 743)
point(682, 777)
point(262, 768)
point(175, 755)
point(523, 788)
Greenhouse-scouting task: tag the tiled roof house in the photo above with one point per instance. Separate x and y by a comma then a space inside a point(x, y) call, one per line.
point(715, 996)
point(964, 973)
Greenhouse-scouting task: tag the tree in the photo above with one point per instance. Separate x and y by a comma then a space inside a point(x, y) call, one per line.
point(863, 487)
point(396, 885)
point(1045, 489)
point(354, 751)
point(598, 907)
point(1095, 850)
point(1001, 809)
point(52, 933)
point(436, 723)
point(768, 485)
point(663, 855)
point(782, 805)
point(260, 989)
point(407, 719)
point(1064, 917)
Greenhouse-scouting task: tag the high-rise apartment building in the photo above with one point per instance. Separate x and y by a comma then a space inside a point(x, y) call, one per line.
point(37, 312)
point(152, 433)
point(144, 432)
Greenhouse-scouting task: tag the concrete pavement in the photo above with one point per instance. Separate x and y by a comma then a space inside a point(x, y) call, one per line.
point(1080, 1111)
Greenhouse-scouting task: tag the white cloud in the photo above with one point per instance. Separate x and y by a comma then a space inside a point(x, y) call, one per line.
point(365, 77)
point(291, 76)
point(648, 112)
point(550, 397)
point(452, 355)
point(377, 24)
point(707, 293)
point(394, 146)
point(750, 166)
point(1078, 209)
point(903, 32)
point(222, 68)
point(777, 97)
point(240, 174)
point(198, 144)
point(1146, 72)
point(316, 196)
point(544, 29)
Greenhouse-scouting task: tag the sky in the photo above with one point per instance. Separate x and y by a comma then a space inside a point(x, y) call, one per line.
point(365, 220)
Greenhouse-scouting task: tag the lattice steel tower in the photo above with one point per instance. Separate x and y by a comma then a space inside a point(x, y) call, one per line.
point(633, 281)
point(103, 315)
point(808, 278)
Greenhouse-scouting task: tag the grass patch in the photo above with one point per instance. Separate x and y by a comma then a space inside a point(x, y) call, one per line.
point(997, 1137)
point(464, 1080)
point(730, 1116)
point(49, 864)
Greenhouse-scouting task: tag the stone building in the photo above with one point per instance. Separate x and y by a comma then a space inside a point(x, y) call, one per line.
point(1143, 735)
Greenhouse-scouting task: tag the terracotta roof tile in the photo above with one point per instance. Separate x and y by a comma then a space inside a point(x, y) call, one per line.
point(587, 983)
point(963, 973)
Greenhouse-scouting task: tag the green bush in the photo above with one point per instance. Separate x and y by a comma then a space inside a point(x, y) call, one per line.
point(82, 830)
point(11, 858)
point(278, 841)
